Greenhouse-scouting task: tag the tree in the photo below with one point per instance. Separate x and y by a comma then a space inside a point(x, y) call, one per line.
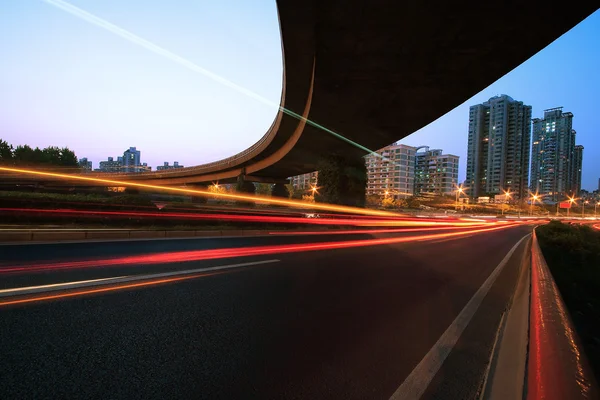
point(308, 198)
point(263, 189)
point(412, 202)
point(6, 152)
point(51, 155)
point(388, 202)
point(24, 154)
point(342, 180)
point(68, 158)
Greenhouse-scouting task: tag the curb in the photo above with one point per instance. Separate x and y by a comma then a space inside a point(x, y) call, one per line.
point(507, 370)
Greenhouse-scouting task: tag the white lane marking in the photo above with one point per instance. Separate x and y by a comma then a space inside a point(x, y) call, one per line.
point(121, 279)
point(419, 379)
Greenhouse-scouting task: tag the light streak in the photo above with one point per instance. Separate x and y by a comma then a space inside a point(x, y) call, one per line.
point(133, 38)
point(229, 196)
point(240, 218)
point(199, 255)
point(5, 292)
point(368, 231)
point(74, 293)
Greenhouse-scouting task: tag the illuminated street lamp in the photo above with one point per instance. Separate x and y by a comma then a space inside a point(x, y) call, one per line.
point(534, 198)
point(583, 203)
point(572, 201)
point(596, 208)
point(459, 191)
point(507, 193)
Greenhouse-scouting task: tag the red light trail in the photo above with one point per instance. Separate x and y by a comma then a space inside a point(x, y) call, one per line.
point(212, 254)
point(247, 218)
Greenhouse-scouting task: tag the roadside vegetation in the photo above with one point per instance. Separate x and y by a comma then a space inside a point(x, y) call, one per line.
point(572, 252)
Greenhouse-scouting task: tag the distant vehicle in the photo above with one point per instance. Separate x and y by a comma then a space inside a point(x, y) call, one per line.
point(312, 216)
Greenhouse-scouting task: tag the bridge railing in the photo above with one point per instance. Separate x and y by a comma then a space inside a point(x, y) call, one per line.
point(557, 365)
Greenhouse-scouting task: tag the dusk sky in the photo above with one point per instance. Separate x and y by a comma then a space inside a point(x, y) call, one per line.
point(67, 82)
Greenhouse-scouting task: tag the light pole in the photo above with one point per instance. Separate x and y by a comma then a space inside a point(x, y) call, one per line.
point(507, 193)
point(571, 200)
point(459, 191)
point(596, 207)
point(533, 200)
point(583, 203)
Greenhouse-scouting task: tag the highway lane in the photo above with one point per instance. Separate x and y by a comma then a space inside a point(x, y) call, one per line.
point(345, 323)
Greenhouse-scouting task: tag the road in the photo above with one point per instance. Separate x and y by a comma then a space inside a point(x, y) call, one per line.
point(303, 319)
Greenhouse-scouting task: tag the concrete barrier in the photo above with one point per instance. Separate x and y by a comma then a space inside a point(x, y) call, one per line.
point(208, 233)
point(108, 234)
point(146, 234)
point(43, 236)
point(22, 236)
point(179, 234)
point(557, 365)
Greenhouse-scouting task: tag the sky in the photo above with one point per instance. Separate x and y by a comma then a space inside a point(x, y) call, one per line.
point(176, 83)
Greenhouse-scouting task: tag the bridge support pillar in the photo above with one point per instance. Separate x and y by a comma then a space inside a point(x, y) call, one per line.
point(279, 190)
point(198, 199)
point(342, 180)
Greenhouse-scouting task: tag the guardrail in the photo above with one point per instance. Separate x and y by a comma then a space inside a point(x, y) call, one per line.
point(557, 364)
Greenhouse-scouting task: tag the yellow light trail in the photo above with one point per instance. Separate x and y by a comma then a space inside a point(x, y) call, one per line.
point(229, 196)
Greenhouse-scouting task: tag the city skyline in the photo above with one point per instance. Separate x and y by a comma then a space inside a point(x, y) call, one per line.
point(203, 125)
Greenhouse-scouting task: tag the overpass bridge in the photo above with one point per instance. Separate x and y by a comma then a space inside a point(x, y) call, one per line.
point(376, 76)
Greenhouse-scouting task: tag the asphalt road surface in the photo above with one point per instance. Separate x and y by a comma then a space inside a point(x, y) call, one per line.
point(358, 322)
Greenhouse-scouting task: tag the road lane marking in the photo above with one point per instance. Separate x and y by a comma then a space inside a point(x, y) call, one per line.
point(419, 379)
point(121, 279)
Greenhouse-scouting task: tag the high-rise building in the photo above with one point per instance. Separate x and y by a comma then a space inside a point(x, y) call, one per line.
point(498, 147)
point(555, 162)
point(392, 170)
point(110, 165)
point(435, 172)
point(131, 160)
point(84, 164)
point(166, 166)
point(576, 170)
point(304, 181)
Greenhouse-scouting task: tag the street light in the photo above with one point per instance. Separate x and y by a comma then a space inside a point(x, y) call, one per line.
point(534, 198)
point(459, 191)
point(507, 194)
point(595, 208)
point(583, 203)
point(571, 200)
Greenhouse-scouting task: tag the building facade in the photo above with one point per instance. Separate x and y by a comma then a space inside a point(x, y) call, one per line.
point(577, 167)
point(391, 171)
point(555, 162)
point(84, 164)
point(110, 165)
point(304, 181)
point(435, 172)
point(166, 166)
point(132, 160)
point(498, 147)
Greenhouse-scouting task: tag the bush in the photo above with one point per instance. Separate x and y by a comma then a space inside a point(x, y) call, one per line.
point(573, 256)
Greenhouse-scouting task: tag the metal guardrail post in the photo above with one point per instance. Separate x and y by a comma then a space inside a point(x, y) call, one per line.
point(557, 365)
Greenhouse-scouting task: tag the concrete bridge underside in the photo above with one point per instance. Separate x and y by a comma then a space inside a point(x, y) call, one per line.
point(375, 73)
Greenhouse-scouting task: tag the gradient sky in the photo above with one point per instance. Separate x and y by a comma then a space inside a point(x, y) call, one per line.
point(67, 82)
